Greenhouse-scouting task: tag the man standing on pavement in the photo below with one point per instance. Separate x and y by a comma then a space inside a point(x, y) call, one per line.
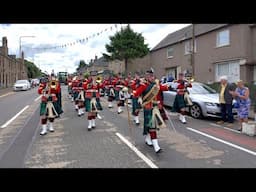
point(226, 100)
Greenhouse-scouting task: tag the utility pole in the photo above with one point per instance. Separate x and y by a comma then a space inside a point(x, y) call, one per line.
point(20, 43)
point(193, 51)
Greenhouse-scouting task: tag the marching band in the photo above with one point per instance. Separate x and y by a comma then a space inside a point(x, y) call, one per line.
point(145, 92)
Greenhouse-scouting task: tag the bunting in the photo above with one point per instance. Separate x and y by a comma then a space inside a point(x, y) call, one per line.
point(79, 41)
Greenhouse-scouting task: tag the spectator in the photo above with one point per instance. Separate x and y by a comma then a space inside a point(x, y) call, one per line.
point(241, 95)
point(226, 100)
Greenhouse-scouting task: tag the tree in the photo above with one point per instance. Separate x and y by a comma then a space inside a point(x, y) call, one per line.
point(81, 65)
point(32, 69)
point(124, 45)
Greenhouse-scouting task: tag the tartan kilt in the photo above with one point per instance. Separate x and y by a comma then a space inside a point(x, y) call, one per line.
point(58, 104)
point(116, 95)
point(147, 121)
point(87, 104)
point(75, 94)
point(179, 103)
point(107, 91)
point(43, 108)
point(135, 105)
point(98, 104)
point(120, 103)
point(111, 98)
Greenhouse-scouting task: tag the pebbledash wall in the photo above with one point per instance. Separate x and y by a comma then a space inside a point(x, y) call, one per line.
point(11, 68)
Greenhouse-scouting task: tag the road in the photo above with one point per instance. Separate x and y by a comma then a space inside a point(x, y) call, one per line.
point(198, 144)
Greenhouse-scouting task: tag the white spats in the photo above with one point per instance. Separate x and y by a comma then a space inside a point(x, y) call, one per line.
point(148, 140)
point(51, 127)
point(156, 146)
point(136, 119)
point(93, 123)
point(80, 112)
point(119, 110)
point(44, 130)
point(110, 105)
point(76, 107)
point(90, 125)
point(182, 118)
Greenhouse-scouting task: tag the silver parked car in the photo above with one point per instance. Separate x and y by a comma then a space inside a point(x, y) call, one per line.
point(21, 85)
point(205, 100)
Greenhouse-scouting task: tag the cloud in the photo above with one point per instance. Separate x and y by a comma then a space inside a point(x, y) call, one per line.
point(67, 58)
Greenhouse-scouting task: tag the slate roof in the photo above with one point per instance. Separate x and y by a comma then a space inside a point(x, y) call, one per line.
point(186, 33)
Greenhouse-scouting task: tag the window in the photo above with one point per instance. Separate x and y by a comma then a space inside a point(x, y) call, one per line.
point(171, 72)
point(188, 47)
point(170, 52)
point(231, 69)
point(222, 38)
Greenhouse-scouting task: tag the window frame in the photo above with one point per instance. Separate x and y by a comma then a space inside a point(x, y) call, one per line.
point(186, 52)
point(218, 38)
point(167, 52)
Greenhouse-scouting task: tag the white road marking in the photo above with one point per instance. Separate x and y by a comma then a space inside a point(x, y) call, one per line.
point(222, 141)
point(6, 94)
point(38, 98)
point(12, 119)
point(141, 155)
point(226, 128)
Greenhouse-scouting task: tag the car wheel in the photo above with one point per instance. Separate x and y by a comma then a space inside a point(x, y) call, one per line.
point(195, 111)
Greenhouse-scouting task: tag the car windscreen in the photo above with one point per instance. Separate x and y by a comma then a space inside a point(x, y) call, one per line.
point(199, 88)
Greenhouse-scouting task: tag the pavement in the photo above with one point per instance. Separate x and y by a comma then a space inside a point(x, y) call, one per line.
point(5, 90)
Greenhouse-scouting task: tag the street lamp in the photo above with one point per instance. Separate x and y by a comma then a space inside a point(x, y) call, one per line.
point(20, 43)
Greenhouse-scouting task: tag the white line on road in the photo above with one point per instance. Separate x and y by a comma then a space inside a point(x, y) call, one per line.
point(38, 98)
point(225, 128)
point(141, 155)
point(12, 119)
point(6, 94)
point(222, 141)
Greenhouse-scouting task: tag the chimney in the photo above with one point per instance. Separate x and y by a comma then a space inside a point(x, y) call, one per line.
point(4, 40)
point(4, 47)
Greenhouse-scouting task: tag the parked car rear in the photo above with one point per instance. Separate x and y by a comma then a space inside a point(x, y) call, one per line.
point(21, 85)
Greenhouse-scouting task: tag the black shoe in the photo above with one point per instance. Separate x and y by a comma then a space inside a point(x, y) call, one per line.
point(137, 124)
point(159, 151)
point(149, 145)
point(89, 129)
point(93, 127)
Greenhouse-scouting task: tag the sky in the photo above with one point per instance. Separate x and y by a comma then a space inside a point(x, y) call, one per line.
point(60, 47)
